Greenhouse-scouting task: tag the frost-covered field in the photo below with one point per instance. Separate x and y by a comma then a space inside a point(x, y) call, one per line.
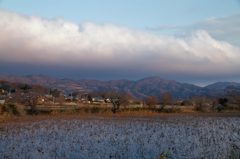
point(121, 137)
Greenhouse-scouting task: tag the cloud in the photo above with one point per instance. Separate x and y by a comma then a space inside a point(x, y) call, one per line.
point(34, 40)
point(225, 28)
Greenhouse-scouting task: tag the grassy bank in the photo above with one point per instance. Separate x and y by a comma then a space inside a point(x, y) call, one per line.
point(12, 111)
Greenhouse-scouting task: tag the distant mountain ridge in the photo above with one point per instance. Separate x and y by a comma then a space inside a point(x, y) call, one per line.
point(138, 89)
point(232, 87)
point(222, 85)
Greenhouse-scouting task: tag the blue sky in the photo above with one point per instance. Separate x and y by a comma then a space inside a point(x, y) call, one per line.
point(194, 41)
point(136, 14)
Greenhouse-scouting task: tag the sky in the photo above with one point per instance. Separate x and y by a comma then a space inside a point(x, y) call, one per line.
point(189, 41)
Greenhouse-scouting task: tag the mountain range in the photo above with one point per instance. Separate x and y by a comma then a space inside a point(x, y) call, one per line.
point(138, 89)
point(223, 85)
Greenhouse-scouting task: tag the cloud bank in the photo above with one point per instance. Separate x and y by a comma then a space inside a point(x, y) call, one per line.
point(225, 28)
point(34, 40)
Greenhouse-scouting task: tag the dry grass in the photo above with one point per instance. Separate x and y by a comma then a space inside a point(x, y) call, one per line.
point(89, 110)
point(55, 115)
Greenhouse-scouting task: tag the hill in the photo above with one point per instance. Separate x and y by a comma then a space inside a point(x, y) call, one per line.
point(19, 87)
point(138, 89)
point(222, 85)
point(232, 87)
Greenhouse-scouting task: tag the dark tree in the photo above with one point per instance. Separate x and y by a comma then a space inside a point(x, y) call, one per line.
point(5, 87)
point(26, 87)
point(90, 98)
point(54, 93)
point(223, 101)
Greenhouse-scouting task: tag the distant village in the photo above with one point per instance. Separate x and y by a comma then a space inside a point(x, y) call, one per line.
point(28, 94)
point(50, 99)
point(36, 95)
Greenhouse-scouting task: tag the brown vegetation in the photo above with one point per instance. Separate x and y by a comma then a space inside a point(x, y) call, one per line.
point(234, 97)
point(30, 97)
point(151, 101)
point(199, 101)
point(165, 99)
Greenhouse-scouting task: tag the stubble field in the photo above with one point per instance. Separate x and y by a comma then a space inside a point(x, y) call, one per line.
point(121, 136)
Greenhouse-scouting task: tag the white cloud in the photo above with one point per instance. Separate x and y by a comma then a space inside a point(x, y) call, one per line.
point(34, 40)
point(225, 28)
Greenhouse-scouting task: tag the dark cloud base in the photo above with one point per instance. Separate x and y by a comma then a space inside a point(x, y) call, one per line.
point(108, 74)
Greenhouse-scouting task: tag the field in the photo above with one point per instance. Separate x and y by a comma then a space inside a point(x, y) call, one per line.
point(121, 136)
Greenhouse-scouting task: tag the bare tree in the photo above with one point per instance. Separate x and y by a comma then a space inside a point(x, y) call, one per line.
point(115, 100)
point(151, 101)
point(213, 101)
point(61, 99)
point(143, 100)
point(118, 99)
point(199, 101)
point(33, 95)
point(165, 99)
point(33, 100)
point(94, 94)
point(234, 97)
point(107, 94)
point(125, 100)
point(77, 95)
point(16, 98)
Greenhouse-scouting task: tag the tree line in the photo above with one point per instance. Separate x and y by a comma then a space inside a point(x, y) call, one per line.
point(33, 92)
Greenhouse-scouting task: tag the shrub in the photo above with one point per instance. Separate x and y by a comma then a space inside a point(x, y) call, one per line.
point(199, 101)
point(219, 108)
point(9, 109)
point(198, 107)
point(31, 111)
point(186, 102)
point(95, 110)
point(2, 109)
point(223, 101)
point(136, 102)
